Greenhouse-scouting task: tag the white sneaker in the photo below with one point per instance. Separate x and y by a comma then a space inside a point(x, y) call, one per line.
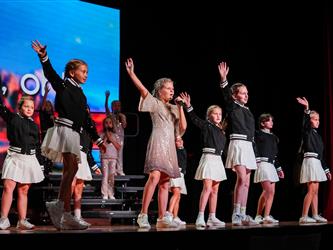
point(143, 221)
point(55, 210)
point(70, 222)
point(4, 223)
point(169, 215)
point(179, 221)
point(247, 220)
point(112, 197)
point(319, 218)
point(105, 198)
point(166, 222)
point(270, 220)
point(215, 222)
point(25, 225)
point(83, 222)
point(236, 219)
point(200, 222)
point(259, 219)
point(306, 219)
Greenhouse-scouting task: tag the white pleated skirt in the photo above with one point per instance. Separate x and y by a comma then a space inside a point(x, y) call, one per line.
point(58, 140)
point(84, 173)
point(265, 172)
point(241, 152)
point(210, 167)
point(179, 182)
point(22, 168)
point(312, 170)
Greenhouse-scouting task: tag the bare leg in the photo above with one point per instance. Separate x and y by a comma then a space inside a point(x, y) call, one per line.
point(22, 200)
point(7, 197)
point(149, 190)
point(308, 198)
point(78, 190)
point(314, 203)
point(174, 201)
point(163, 194)
point(69, 171)
point(205, 193)
point(242, 185)
point(213, 197)
point(269, 196)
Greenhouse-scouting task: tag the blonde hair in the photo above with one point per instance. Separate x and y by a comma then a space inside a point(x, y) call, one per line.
point(313, 112)
point(159, 84)
point(73, 65)
point(210, 110)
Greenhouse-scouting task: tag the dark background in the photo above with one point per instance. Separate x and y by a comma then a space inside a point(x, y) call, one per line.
point(276, 49)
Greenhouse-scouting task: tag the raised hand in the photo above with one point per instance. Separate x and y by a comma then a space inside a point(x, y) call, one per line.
point(129, 66)
point(186, 98)
point(303, 101)
point(107, 93)
point(39, 48)
point(223, 70)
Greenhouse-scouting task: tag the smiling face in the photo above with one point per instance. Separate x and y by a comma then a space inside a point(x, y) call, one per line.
point(241, 95)
point(314, 119)
point(80, 74)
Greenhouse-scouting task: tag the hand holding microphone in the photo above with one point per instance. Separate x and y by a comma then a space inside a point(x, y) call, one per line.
point(184, 100)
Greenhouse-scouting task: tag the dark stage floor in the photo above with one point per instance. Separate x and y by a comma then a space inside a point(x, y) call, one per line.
point(286, 235)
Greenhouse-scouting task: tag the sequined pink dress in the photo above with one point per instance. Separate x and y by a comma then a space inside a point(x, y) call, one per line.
point(161, 150)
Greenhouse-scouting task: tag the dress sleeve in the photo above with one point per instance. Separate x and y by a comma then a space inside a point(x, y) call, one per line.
point(148, 104)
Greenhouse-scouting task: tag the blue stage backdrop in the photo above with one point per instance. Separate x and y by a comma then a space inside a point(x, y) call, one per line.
point(70, 29)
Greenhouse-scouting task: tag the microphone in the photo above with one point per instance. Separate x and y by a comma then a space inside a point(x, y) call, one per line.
point(181, 103)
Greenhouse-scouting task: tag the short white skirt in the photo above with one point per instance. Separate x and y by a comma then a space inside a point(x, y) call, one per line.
point(312, 170)
point(240, 152)
point(22, 168)
point(265, 172)
point(179, 182)
point(84, 173)
point(210, 167)
point(58, 140)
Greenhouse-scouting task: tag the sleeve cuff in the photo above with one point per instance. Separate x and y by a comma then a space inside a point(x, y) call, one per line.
point(99, 141)
point(44, 59)
point(94, 168)
point(189, 109)
point(223, 84)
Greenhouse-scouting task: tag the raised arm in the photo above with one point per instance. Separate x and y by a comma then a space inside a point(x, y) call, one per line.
point(5, 113)
point(50, 74)
point(130, 70)
point(46, 92)
point(304, 102)
point(107, 95)
point(194, 118)
point(223, 70)
point(182, 118)
point(306, 120)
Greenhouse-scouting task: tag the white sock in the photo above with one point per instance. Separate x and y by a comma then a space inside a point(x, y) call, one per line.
point(77, 213)
point(212, 215)
point(236, 208)
point(201, 215)
point(243, 210)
